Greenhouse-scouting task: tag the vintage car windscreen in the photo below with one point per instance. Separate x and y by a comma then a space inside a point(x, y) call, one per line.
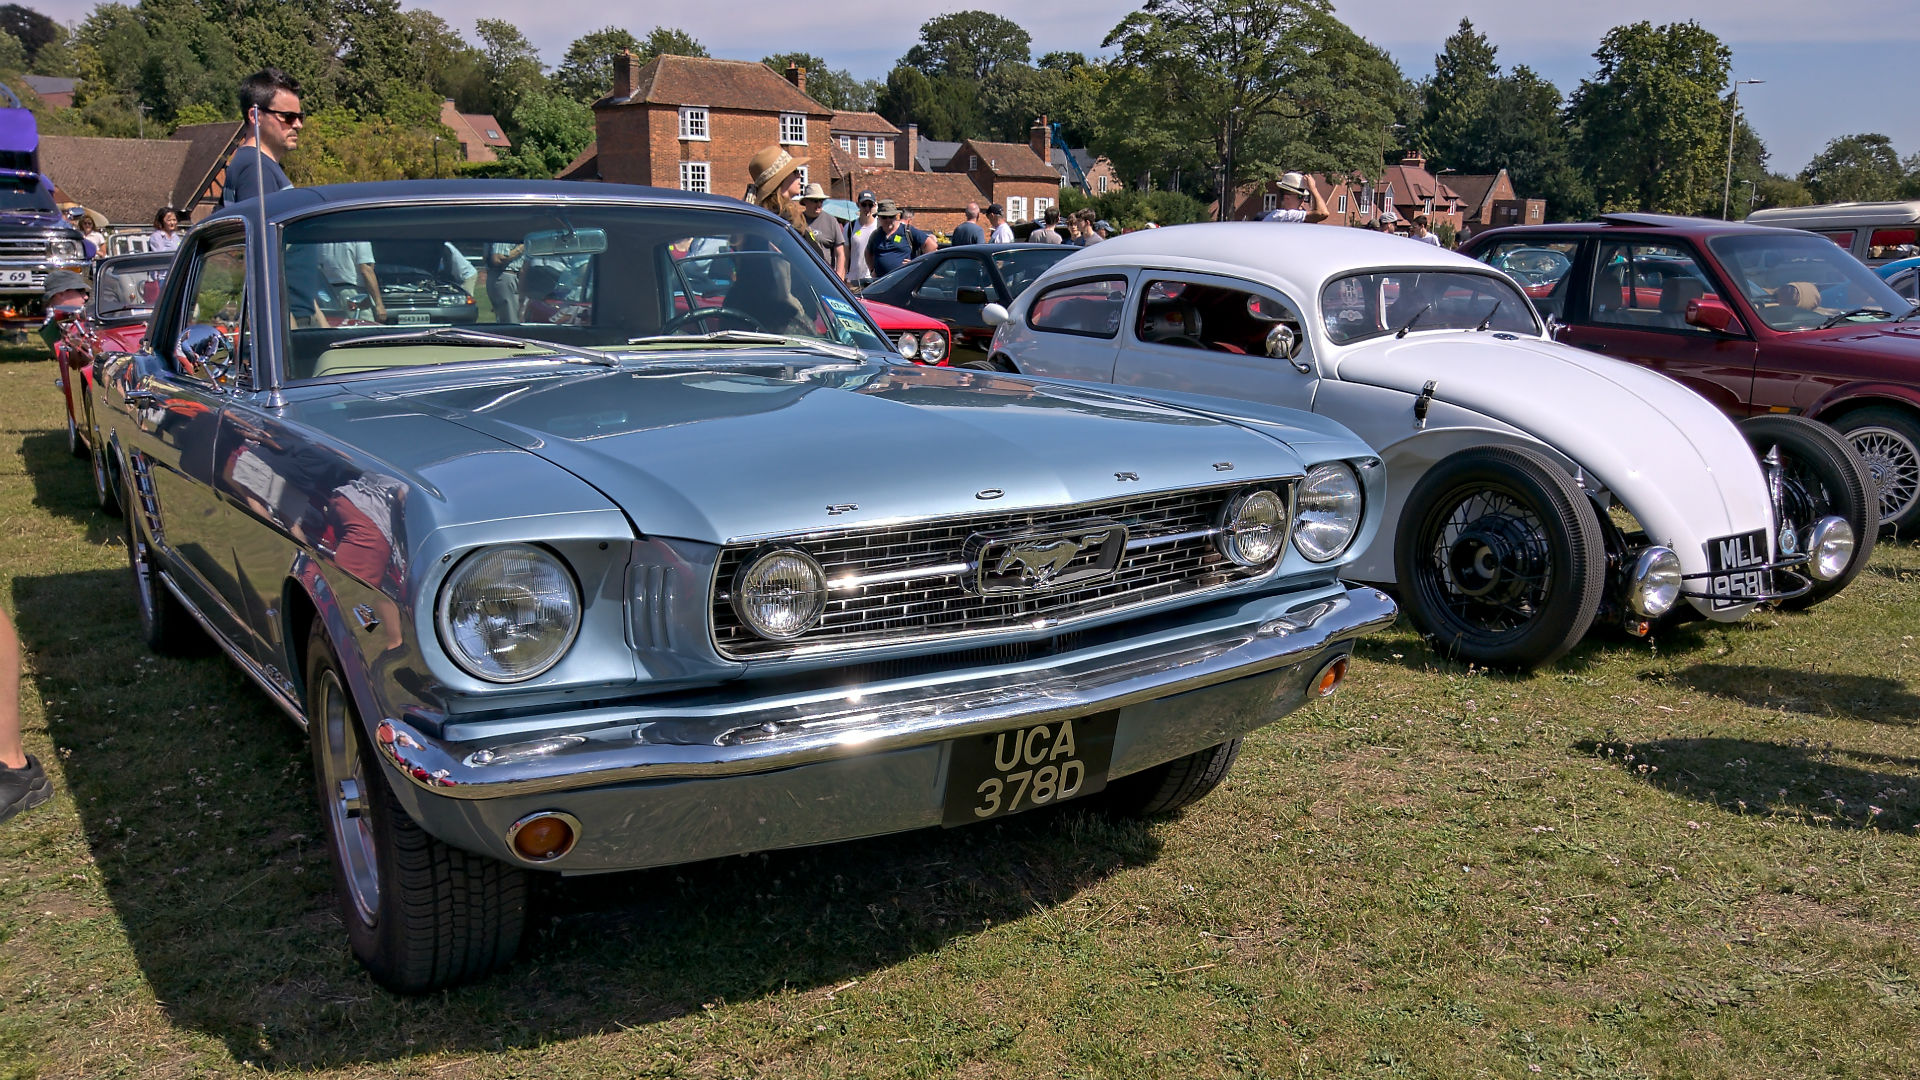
point(1365, 305)
point(1797, 281)
point(128, 289)
point(570, 274)
point(25, 193)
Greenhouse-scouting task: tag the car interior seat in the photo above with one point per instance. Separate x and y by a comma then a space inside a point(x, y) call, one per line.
point(1674, 297)
point(1171, 322)
point(1610, 294)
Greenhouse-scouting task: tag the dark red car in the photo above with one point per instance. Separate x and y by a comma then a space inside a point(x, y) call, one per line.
point(920, 338)
point(113, 320)
point(1756, 319)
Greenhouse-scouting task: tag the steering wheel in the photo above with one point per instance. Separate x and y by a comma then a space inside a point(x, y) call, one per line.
point(721, 312)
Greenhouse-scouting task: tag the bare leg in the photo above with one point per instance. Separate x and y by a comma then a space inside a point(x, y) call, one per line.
point(12, 754)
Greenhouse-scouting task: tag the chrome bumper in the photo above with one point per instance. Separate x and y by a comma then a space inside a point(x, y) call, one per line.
point(657, 786)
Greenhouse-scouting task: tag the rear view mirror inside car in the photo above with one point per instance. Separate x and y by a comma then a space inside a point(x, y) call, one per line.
point(567, 242)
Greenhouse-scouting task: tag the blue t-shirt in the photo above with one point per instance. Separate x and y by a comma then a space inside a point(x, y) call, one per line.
point(968, 232)
point(890, 250)
point(248, 171)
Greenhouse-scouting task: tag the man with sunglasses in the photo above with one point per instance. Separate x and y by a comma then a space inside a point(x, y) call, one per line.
point(271, 98)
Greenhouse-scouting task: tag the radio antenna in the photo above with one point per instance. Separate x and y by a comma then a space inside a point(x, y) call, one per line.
point(274, 400)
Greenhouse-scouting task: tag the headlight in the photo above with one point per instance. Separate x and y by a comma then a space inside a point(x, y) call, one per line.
point(508, 613)
point(933, 347)
point(1253, 529)
point(1830, 548)
point(67, 249)
point(1327, 511)
point(909, 345)
point(1654, 584)
point(780, 594)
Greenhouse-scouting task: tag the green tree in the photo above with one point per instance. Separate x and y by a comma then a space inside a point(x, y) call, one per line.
point(339, 146)
point(946, 107)
point(511, 64)
point(1524, 132)
point(835, 89)
point(451, 64)
point(1855, 168)
point(1652, 124)
point(382, 62)
point(970, 44)
point(1775, 189)
point(586, 71)
point(553, 128)
point(33, 30)
point(1458, 98)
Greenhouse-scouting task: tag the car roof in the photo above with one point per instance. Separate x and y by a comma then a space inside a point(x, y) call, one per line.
point(299, 201)
point(1828, 215)
point(1671, 223)
point(1294, 257)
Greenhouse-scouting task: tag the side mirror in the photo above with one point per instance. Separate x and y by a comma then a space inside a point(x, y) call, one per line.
point(995, 315)
point(204, 351)
point(1284, 343)
point(970, 296)
point(66, 312)
point(1713, 315)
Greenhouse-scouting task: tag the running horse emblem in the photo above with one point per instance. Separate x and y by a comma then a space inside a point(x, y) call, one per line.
point(1039, 563)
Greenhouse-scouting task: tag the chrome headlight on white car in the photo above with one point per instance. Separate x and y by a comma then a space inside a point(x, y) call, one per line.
point(780, 594)
point(1829, 548)
point(1653, 586)
point(508, 613)
point(1327, 511)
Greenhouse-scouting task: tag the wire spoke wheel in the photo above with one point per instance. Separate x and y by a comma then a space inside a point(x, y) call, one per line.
point(1888, 442)
point(1491, 562)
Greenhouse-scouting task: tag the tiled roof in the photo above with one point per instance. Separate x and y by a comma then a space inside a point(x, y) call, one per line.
point(487, 128)
point(49, 84)
point(1473, 190)
point(207, 151)
point(718, 84)
point(1015, 161)
point(926, 190)
point(584, 167)
point(933, 154)
point(1412, 186)
point(862, 123)
point(840, 163)
point(125, 179)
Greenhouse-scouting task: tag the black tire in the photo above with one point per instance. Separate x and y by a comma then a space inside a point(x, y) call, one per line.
point(1166, 788)
point(421, 914)
point(977, 364)
point(74, 444)
point(1003, 362)
point(165, 623)
point(1888, 441)
point(1823, 476)
point(106, 486)
point(1500, 558)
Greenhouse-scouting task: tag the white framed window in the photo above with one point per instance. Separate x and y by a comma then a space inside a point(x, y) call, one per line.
point(1100, 185)
point(1269, 201)
point(793, 128)
point(1040, 207)
point(1427, 206)
point(846, 143)
point(693, 176)
point(1343, 204)
point(880, 148)
point(973, 162)
point(1016, 208)
point(693, 124)
point(864, 146)
point(803, 175)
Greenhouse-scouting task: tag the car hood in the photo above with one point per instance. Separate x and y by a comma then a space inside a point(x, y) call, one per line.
point(1886, 339)
point(719, 453)
point(889, 317)
point(1680, 466)
point(33, 219)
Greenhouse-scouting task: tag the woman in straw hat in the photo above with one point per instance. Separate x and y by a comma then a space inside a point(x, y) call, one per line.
point(775, 178)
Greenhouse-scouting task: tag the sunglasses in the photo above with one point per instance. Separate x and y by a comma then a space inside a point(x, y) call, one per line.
point(286, 117)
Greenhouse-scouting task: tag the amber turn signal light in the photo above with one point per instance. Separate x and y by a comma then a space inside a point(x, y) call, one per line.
point(544, 836)
point(1330, 678)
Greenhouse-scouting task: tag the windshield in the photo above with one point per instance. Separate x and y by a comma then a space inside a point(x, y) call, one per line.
point(1797, 281)
point(568, 274)
point(25, 193)
point(1365, 305)
point(128, 288)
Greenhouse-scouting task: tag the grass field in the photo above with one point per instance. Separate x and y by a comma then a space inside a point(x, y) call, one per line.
point(1697, 856)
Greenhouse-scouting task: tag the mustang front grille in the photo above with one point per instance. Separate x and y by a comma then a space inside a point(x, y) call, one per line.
point(920, 580)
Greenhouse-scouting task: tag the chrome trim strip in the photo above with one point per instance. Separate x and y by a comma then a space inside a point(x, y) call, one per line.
point(761, 733)
point(851, 582)
point(245, 663)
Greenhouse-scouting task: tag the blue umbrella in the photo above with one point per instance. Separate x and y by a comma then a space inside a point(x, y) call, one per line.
point(844, 209)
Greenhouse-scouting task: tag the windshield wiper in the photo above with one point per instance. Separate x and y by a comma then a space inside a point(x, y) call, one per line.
point(1488, 321)
point(1408, 325)
point(454, 335)
point(1845, 315)
point(752, 337)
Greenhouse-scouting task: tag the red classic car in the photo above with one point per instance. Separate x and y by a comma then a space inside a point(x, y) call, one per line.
point(1755, 319)
point(920, 338)
point(113, 320)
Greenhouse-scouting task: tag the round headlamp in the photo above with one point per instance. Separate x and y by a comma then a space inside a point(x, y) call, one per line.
point(933, 347)
point(67, 249)
point(909, 345)
point(1327, 511)
point(1253, 528)
point(780, 594)
point(508, 613)
point(1829, 548)
point(1653, 586)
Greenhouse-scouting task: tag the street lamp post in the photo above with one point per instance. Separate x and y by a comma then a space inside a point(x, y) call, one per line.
point(1733, 121)
point(436, 157)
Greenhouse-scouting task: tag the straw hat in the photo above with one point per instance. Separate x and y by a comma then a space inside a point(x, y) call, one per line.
point(770, 168)
point(813, 191)
point(1294, 184)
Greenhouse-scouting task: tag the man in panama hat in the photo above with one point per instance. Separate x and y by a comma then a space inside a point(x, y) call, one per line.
point(823, 229)
point(1295, 196)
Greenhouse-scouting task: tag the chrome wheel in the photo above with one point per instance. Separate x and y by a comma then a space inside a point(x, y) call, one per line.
point(1893, 461)
point(345, 792)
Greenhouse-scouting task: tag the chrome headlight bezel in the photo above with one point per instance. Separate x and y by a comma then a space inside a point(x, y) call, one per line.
point(1239, 530)
point(475, 562)
point(1828, 538)
point(1311, 498)
point(743, 580)
point(909, 344)
point(67, 249)
point(1654, 584)
point(933, 346)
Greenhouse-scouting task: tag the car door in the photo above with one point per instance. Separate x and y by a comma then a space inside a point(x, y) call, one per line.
point(953, 292)
point(1073, 327)
point(177, 397)
point(1635, 310)
point(1204, 334)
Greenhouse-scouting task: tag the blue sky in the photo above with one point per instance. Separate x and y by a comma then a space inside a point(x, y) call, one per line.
point(1832, 67)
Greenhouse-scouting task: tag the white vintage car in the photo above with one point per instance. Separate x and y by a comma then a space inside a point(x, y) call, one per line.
point(1536, 488)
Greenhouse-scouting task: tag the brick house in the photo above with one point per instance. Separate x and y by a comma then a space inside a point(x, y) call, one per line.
point(129, 179)
point(1488, 202)
point(1347, 197)
point(869, 141)
point(694, 123)
point(1010, 174)
point(1097, 170)
point(477, 134)
point(1417, 191)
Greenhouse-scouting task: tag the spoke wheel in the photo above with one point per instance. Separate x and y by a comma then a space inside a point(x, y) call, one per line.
point(1500, 557)
point(1821, 476)
point(1888, 441)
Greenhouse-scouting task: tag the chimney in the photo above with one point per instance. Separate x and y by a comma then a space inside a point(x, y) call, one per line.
point(797, 75)
point(626, 75)
point(1413, 160)
point(1040, 137)
point(913, 147)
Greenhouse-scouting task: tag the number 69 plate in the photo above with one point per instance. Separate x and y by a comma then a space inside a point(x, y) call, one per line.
point(990, 776)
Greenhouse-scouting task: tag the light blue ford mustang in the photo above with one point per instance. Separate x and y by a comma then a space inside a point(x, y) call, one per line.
point(657, 554)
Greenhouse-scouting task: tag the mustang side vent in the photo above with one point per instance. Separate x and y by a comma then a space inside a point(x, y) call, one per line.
point(652, 607)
